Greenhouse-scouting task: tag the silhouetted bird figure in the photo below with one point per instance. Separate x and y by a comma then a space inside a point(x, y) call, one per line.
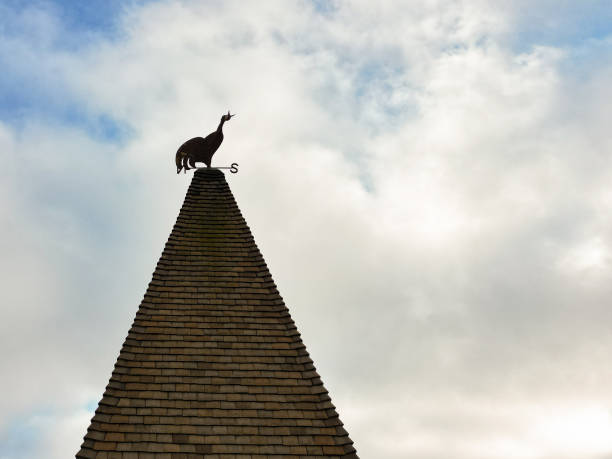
point(200, 149)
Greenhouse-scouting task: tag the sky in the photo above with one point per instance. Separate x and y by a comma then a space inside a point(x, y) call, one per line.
point(430, 183)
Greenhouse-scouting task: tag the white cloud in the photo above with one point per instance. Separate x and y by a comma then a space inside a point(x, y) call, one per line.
point(433, 204)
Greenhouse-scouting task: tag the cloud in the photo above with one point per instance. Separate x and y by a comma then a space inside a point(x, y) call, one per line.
point(432, 199)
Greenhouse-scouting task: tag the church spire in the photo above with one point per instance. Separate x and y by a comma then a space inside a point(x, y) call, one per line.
point(213, 363)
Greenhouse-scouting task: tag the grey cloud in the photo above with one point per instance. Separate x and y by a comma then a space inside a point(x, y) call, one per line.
point(453, 301)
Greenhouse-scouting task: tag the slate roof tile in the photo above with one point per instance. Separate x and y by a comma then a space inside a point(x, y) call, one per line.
point(213, 365)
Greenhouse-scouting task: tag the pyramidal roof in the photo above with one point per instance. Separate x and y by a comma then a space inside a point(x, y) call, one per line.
point(213, 365)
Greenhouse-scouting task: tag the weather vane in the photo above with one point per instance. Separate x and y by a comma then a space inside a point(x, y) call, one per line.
point(201, 150)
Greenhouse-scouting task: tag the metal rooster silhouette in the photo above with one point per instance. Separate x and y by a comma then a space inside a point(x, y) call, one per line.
point(200, 149)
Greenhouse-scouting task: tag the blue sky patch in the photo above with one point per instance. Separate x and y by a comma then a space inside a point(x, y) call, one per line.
point(325, 7)
point(79, 21)
point(20, 438)
point(91, 406)
point(27, 92)
point(562, 24)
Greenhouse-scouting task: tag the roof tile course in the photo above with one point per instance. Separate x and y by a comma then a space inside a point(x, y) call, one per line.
point(213, 365)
